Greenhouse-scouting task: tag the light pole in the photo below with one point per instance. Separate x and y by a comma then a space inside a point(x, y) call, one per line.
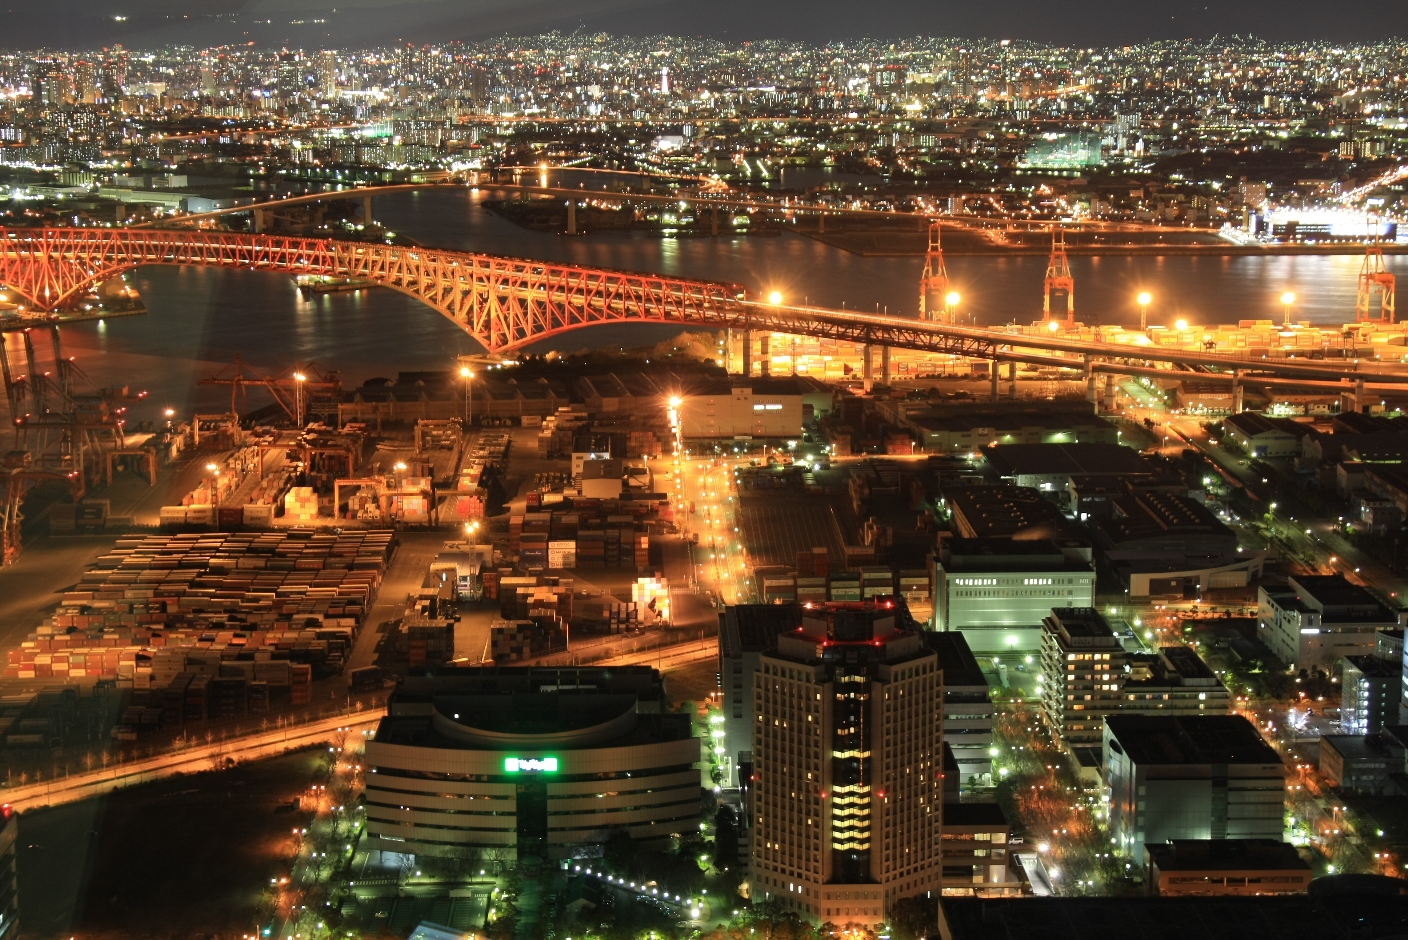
point(467, 374)
point(1287, 299)
point(298, 379)
point(1144, 298)
point(951, 300)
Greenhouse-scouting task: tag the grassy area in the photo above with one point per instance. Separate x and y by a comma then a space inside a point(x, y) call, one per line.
point(692, 683)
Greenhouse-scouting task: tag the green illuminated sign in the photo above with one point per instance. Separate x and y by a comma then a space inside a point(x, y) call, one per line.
point(530, 765)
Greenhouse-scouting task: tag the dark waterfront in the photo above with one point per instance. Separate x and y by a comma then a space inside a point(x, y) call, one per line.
point(199, 318)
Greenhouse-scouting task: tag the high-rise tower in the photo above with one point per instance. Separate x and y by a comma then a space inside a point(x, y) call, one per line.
point(848, 765)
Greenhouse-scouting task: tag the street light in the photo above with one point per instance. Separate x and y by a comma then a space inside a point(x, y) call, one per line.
point(775, 297)
point(1144, 299)
point(1287, 299)
point(951, 300)
point(467, 374)
point(214, 470)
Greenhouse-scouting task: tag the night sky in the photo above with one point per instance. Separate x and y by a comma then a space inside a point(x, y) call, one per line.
point(86, 23)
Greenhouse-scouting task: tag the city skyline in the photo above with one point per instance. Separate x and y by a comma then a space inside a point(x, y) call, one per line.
point(315, 23)
point(631, 470)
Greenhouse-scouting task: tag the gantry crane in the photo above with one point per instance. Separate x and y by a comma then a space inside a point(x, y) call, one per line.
point(1059, 279)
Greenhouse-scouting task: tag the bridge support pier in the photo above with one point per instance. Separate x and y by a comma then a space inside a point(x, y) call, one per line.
point(261, 221)
point(1012, 379)
point(572, 216)
point(885, 365)
point(1091, 393)
point(61, 366)
point(1109, 393)
point(714, 222)
point(993, 366)
point(366, 210)
point(10, 390)
point(34, 380)
point(1237, 392)
point(868, 369)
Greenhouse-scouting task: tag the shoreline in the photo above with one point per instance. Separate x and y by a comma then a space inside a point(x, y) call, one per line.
point(847, 242)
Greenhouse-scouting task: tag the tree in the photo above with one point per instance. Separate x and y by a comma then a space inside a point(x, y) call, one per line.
point(725, 838)
point(619, 852)
point(915, 918)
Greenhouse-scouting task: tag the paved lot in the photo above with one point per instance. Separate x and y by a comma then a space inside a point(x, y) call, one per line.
point(777, 524)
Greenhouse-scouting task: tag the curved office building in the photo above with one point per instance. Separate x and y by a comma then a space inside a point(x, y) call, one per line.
point(529, 761)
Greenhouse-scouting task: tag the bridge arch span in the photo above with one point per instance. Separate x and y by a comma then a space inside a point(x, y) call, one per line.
point(504, 303)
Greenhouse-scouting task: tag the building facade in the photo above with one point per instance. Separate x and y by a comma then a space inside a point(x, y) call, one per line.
point(746, 632)
point(1369, 693)
point(1082, 672)
point(997, 591)
point(1317, 619)
point(1205, 777)
point(1224, 868)
point(968, 709)
point(529, 762)
point(763, 408)
point(976, 842)
point(1173, 681)
point(847, 764)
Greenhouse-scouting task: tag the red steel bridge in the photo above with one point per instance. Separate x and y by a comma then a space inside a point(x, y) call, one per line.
point(509, 303)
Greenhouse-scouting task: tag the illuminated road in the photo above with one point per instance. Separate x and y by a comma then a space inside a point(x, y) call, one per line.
point(194, 759)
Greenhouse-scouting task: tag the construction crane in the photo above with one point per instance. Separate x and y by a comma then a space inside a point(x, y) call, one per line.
point(1059, 279)
point(1374, 277)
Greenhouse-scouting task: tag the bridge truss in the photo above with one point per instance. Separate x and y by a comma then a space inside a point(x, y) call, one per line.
point(509, 303)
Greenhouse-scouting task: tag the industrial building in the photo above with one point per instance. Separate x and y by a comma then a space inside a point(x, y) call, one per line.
point(1369, 764)
point(1203, 777)
point(962, 431)
point(997, 591)
point(1369, 690)
point(1160, 544)
point(1259, 436)
point(1228, 867)
point(1316, 619)
point(847, 756)
point(1003, 511)
point(529, 762)
point(1049, 467)
point(764, 408)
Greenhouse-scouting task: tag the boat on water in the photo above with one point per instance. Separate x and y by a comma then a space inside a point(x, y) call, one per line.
point(323, 284)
